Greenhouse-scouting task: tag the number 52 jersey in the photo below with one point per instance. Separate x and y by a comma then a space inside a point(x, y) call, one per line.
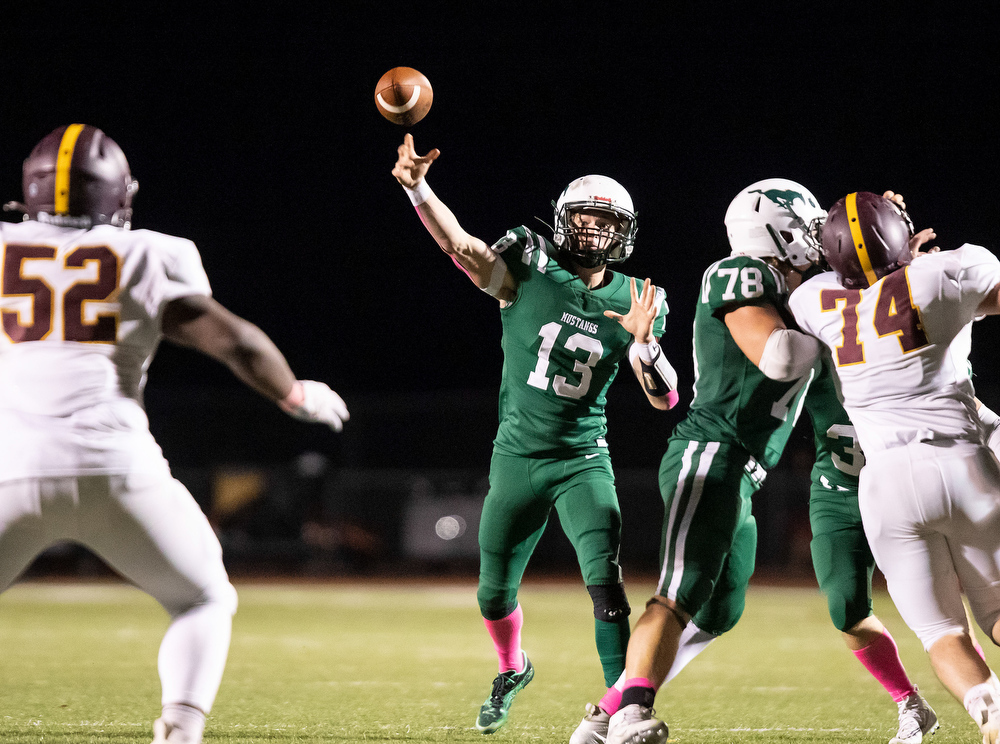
point(899, 348)
point(560, 351)
point(81, 313)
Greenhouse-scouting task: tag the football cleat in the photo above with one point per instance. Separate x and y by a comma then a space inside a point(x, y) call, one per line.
point(634, 724)
point(916, 720)
point(593, 729)
point(165, 732)
point(985, 711)
point(494, 712)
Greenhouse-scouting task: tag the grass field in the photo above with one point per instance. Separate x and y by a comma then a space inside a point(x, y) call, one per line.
point(411, 662)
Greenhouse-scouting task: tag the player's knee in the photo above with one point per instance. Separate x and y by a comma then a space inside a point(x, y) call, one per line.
point(495, 604)
point(845, 613)
point(220, 595)
point(610, 603)
point(932, 633)
point(224, 595)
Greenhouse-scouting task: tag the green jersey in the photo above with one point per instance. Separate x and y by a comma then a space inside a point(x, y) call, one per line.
point(839, 458)
point(560, 351)
point(734, 402)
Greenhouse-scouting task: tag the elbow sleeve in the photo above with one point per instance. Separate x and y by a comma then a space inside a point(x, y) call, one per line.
point(788, 354)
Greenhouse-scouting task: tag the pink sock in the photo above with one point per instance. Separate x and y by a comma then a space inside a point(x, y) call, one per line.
point(881, 658)
point(611, 701)
point(637, 682)
point(506, 635)
point(979, 649)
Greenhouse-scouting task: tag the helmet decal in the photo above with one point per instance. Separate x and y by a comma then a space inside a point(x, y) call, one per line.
point(776, 218)
point(865, 238)
point(77, 176)
point(63, 162)
point(859, 241)
point(784, 198)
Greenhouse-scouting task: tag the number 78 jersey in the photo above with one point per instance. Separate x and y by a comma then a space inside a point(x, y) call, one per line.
point(560, 351)
point(900, 347)
point(733, 400)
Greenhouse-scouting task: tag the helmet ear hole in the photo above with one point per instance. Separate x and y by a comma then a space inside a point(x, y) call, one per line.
point(787, 235)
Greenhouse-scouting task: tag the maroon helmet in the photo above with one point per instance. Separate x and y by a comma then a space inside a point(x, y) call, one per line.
point(77, 176)
point(866, 236)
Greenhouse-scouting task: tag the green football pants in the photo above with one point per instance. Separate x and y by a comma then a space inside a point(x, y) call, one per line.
point(842, 560)
point(709, 541)
point(522, 494)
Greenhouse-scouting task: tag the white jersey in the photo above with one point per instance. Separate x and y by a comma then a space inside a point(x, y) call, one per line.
point(901, 346)
point(81, 313)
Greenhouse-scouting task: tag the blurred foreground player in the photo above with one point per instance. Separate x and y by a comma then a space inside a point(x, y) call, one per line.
point(929, 493)
point(569, 321)
point(84, 302)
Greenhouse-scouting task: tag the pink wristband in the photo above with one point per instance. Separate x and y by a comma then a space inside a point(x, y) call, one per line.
point(294, 399)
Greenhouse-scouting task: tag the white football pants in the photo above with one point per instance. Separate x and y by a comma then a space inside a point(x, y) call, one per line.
point(932, 517)
point(149, 529)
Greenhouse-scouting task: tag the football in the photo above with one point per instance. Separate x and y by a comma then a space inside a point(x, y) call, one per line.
point(403, 96)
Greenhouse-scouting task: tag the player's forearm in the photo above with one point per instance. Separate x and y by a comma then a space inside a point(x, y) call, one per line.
point(257, 362)
point(470, 252)
point(656, 375)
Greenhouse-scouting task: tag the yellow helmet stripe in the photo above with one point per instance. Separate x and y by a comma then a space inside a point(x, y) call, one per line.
point(63, 162)
point(859, 241)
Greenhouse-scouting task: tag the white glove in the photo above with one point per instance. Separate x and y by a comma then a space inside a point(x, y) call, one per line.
point(318, 404)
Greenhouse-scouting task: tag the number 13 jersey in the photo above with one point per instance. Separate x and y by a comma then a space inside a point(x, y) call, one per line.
point(560, 351)
point(901, 346)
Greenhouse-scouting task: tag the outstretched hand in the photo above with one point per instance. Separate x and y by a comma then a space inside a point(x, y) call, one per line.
point(642, 313)
point(924, 236)
point(411, 168)
point(920, 238)
point(315, 402)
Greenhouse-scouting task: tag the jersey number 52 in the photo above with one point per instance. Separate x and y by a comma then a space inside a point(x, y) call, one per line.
point(44, 301)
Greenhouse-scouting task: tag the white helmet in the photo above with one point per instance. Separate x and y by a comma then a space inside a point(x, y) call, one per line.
point(595, 194)
point(776, 217)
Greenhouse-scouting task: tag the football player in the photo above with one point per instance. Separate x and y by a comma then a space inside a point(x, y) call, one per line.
point(84, 301)
point(772, 221)
point(929, 494)
point(569, 321)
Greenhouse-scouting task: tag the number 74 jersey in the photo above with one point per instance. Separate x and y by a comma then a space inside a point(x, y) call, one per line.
point(900, 347)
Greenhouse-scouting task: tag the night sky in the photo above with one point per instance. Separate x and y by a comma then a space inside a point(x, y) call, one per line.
point(254, 133)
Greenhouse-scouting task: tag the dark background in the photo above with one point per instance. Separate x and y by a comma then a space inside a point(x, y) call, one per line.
point(252, 131)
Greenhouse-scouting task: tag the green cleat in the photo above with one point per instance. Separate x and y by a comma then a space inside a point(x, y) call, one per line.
point(493, 714)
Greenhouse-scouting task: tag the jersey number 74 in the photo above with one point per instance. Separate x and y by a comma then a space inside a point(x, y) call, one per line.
point(894, 315)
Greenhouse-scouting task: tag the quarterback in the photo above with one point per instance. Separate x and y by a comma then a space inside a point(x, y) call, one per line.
point(929, 494)
point(84, 302)
point(568, 322)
